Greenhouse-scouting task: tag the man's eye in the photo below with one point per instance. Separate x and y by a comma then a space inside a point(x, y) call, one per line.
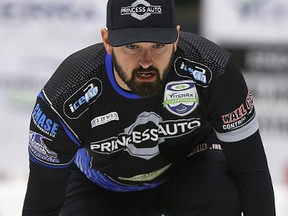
point(159, 46)
point(131, 46)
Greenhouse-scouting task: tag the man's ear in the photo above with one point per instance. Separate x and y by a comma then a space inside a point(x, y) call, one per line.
point(104, 34)
point(176, 42)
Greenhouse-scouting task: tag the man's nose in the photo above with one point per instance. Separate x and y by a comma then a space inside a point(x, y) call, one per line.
point(146, 59)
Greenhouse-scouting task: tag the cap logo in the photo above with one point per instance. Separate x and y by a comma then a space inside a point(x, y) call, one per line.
point(141, 9)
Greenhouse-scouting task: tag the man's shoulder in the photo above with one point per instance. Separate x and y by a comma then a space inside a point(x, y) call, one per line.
point(201, 48)
point(201, 52)
point(77, 70)
point(86, 55)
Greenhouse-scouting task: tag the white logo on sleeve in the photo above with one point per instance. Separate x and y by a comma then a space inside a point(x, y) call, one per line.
point(100, 120)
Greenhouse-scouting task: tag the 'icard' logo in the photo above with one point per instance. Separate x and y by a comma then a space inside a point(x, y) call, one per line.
point(79, 102)
point(141, 9)
point(200, 73)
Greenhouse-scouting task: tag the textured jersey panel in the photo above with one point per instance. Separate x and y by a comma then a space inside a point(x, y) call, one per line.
point(202, 50)
point(74, 72)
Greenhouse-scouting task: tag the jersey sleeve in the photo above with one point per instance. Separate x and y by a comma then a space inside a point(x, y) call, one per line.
point(52, 143)
point(231, 110)
point(59, 128)
point(233, 117)
point(52, 148)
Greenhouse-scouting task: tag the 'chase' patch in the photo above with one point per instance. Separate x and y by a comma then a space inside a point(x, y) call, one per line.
point(181, 97)
point(200, 73)
point(79, 102)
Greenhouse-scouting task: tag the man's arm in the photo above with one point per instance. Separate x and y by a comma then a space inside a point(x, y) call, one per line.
point(247, 161)
point(52, 149)
point(45, 195)
point(233, 116)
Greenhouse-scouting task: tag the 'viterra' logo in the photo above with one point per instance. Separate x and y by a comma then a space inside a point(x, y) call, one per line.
point(181, 98)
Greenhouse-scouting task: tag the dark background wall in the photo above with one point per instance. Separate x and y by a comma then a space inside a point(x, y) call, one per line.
point(187, 13)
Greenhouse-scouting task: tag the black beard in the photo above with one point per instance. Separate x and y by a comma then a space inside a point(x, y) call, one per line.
point(143, 89)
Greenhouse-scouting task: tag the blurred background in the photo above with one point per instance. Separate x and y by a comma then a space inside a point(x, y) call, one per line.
point(35, 37)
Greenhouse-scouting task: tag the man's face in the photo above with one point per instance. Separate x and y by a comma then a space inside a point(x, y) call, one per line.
point(142, 67)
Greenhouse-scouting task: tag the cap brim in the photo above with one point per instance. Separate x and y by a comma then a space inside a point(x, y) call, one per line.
point(121, 37)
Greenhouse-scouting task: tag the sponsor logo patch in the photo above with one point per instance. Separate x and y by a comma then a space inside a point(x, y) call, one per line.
point(181, 97)
point(39, 150)
point(79, 102)
point(43, 122)
point(205, 146)
point(200, 73)
point(147, 176)
point(143, 137)
point(235, 115)
point(100, 120)
point(240, 115)
point(141, 9)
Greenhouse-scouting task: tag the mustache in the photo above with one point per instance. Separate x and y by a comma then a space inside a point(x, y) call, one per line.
point(149, 69)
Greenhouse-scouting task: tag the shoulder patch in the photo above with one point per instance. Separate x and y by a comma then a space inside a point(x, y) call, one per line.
point(199, 73)
point(80, 101)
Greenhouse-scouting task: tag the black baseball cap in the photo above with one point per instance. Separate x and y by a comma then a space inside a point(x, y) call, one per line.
point(132, 21)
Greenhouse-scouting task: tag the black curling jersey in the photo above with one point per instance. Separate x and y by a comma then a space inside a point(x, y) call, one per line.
point(124, 142)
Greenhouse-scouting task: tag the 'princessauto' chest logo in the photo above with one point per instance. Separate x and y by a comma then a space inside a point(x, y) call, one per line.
point(141, 9)
point(79, 102)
